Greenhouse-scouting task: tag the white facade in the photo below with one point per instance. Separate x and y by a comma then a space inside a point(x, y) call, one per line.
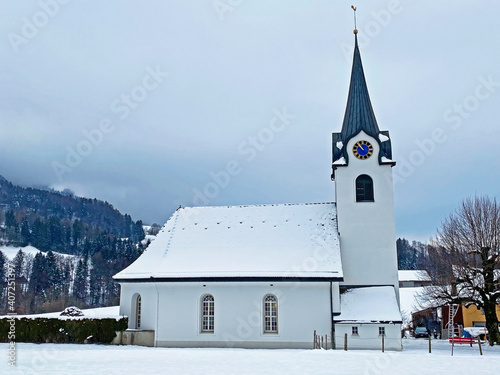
point(367, 229)
point(368, 336)
point(368, 316)
point(174, 312)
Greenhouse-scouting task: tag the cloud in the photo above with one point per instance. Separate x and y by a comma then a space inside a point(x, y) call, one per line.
point(225, 78)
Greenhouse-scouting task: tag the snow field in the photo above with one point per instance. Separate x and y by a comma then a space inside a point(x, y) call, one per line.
point(55, 359)
point(11, 251)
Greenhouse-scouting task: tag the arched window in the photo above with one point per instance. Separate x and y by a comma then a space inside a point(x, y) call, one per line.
point(207, 313)
point(270, 314)
point(138, 312)
point(364, 188)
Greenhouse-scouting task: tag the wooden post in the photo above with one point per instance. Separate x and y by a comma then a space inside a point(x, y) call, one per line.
point(429, 343)
point(321, 347)
point(383, 343)
point(314, 340)
point(326, 342)
point(345, 342)
point(479, 342)
point(471, 341)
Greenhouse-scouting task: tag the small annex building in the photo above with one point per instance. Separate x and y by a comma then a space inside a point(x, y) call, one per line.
point(268, 276)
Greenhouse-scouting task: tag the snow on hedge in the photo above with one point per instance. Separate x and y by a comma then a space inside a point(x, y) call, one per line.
point(112, 312)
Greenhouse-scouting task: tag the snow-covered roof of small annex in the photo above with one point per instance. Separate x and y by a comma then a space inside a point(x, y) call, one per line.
point(376, 304)
point(281, 241)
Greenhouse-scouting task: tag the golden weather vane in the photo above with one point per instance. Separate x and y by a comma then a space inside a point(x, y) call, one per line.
point(355, 27)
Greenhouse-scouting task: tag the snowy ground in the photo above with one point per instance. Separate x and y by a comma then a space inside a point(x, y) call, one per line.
point(11, 251)
point(58, 359)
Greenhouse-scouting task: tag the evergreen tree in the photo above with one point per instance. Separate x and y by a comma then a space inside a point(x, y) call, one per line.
point(67, 236)
point(38, 280)
point(12, 228)
point(95, 280)
point(22, 268)
point(18, 262)
point(3, 273)
point(52, 270)
point(39, 235)
point(127, 233)
point(66, 279)
point(77, 233)
point(138, 233)
point(55, 233)
point(10, 220)
point(25, 232)
point(80, 284)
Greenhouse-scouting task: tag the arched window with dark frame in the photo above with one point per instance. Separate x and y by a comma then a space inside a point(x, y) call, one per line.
point(138, 312)
point(207, 313)
point(270, 314)
point(364, 188)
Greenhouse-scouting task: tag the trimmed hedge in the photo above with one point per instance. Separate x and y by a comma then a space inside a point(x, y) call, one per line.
point(39, 330)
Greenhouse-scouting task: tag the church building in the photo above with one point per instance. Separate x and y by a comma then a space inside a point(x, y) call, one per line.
point(269, 276)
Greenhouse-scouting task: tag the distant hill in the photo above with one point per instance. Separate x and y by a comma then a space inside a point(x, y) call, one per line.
point(104, 240)
point(43, 202)
point(51, 220)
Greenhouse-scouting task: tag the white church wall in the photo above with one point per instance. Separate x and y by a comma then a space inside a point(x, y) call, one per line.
point(368, 336)
point(147, 291)
point(335, 298)
point(239, 315)
point(367, 229)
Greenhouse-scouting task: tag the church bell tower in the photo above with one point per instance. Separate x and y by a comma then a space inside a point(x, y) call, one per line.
point(362, 171)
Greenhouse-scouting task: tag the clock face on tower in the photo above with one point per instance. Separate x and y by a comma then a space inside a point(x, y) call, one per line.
point(362, 150)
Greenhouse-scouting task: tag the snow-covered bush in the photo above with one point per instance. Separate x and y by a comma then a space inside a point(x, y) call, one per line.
point(72, 311)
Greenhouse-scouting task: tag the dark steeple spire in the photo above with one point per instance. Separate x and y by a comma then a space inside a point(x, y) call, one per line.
point(359, 116)
point(359, 113)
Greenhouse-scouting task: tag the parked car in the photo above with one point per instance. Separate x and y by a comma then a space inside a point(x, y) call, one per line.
point(421, 332)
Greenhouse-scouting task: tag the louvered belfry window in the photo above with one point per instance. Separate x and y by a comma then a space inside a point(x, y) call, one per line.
point(364, 188)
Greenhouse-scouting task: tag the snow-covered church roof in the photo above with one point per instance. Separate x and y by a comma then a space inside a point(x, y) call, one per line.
point(265, 241)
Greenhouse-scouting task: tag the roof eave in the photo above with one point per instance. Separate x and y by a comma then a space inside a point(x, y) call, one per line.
point(232, 279)
point(354, 321)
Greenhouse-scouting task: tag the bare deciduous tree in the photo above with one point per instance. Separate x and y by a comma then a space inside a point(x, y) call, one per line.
point(469, 243)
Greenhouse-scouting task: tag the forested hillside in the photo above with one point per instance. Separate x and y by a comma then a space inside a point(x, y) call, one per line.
point(51, 220)
point(101, 240)
point(414, 255)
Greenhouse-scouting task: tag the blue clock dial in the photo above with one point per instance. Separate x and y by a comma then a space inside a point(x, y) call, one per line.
point(362, 150)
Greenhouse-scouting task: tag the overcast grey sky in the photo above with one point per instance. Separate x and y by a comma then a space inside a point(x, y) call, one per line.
point(159, 103)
